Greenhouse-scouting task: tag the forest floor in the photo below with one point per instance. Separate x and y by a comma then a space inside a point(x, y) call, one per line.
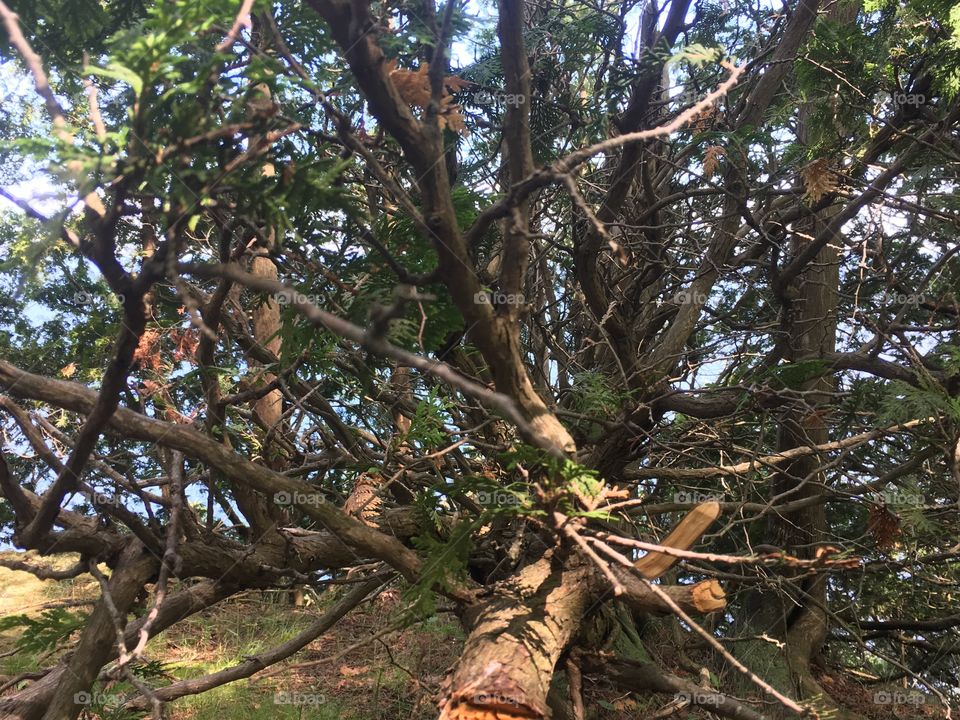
point(356, 671)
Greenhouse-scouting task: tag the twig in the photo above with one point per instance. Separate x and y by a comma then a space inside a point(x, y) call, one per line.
point(255, 663)
point(241, 21)
point(346, 651)
point(495, 400)
point(570, 531)
point(44, 573)
point(95, 116)
point(121, 642)
point(716, 645)
point(576, 689)
point(563, 167)
point(35, 64)
point(763, 559)
point(171, 560)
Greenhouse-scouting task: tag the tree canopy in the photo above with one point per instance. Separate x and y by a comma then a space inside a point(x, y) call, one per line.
point(627, 331)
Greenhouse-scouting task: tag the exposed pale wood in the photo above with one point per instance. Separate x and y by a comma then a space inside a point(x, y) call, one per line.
point(686, 533)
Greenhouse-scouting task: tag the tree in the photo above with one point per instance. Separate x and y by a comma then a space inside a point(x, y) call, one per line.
point(519, 312)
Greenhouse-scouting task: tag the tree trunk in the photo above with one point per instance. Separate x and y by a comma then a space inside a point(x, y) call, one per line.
point(99, 639)
point(795, 613)
point(507, 663)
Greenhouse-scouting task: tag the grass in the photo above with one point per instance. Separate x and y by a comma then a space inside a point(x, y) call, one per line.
point(396, 676)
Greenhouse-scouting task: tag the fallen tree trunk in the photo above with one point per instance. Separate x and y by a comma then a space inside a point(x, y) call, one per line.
point(507, 663)
point(516, 639)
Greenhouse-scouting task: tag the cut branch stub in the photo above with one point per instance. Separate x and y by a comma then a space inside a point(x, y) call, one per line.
point(682, 537)
point(699, 599)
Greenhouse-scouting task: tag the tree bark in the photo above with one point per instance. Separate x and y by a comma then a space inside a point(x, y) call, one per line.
point(798, 617)
point(507, 663)
point(98, 641)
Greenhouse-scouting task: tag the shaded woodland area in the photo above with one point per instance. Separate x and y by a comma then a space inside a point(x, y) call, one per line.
point(625, 334)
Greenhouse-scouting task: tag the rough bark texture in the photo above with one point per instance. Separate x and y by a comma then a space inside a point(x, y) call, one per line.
point(699, 599)
point(514, 644)
point(515, 640)
point(99, 638)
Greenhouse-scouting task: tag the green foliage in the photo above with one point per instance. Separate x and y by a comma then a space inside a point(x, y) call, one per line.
point(905, 402)
point(63, 29)
point(183, 125)
point(46, 632)
point(696, 54)
point(444, 566)
point(796, 375)
point(427, 424)
point(568, 483)
point(594, 393)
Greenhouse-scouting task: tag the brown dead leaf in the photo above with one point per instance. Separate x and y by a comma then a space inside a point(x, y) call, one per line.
point(818, 180)
point(455, 83)
point(453, 120)
point(414, 88)
point(348, 671)
point(704, 119)
point(149, 388)
point(187, 342)
point(413, 85)
point(711, 160)
point(884, 526)
point(147, 353)
point(68, 371)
